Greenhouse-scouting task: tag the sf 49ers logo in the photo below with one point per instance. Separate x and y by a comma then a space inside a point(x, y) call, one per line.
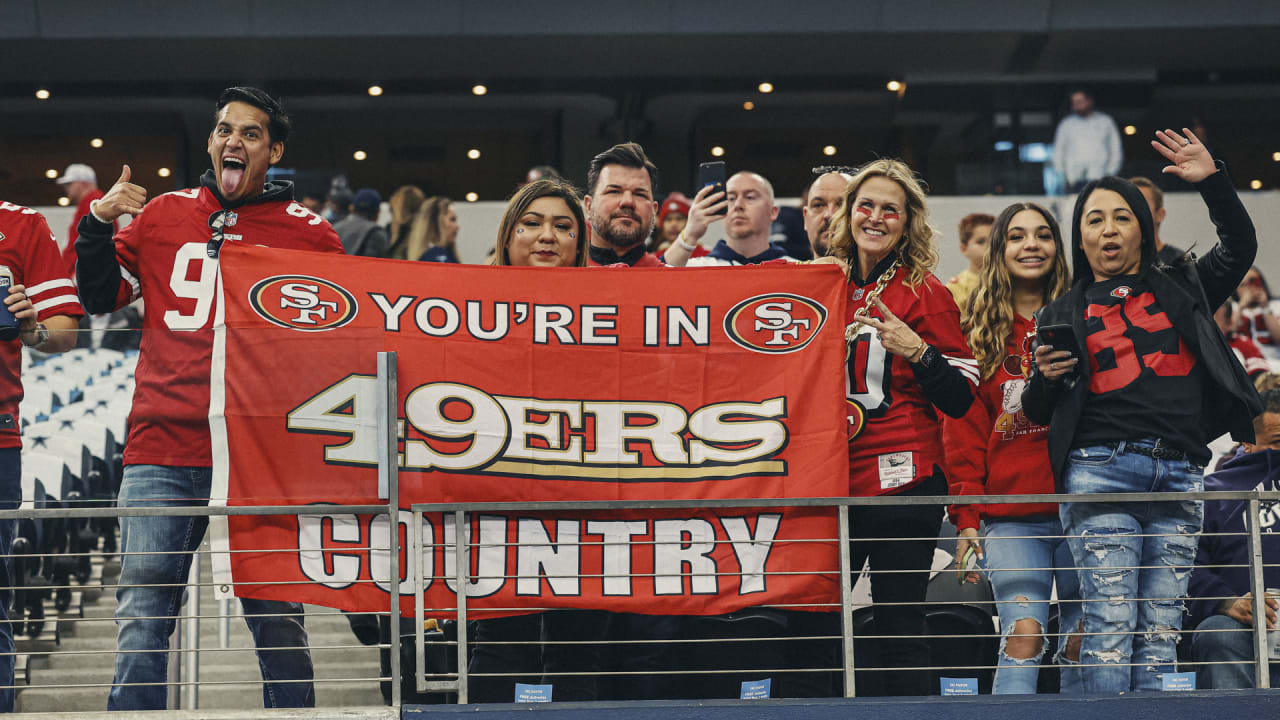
point(775, 323)
point(301, 302)
point(1121, 292)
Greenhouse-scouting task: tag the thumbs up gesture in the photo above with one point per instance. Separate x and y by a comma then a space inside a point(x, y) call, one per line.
point(123, 198)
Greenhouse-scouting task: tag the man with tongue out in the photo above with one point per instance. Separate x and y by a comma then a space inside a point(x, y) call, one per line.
point(168, 256)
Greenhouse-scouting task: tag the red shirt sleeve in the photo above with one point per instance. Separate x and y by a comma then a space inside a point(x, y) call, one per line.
point(965, 440)
point(48, 286)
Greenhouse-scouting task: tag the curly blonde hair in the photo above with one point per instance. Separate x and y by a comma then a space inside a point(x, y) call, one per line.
point(917, 248)
point(989, 317)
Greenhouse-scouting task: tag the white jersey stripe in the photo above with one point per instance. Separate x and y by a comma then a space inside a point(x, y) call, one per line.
point(42, 287)
point(56, 301)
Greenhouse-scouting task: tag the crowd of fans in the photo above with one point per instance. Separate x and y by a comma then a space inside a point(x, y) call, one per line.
point(1016, 376)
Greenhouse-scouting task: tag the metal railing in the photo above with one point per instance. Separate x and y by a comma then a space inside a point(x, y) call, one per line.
point(461, 549)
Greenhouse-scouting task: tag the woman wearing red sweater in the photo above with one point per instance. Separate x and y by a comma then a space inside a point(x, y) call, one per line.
point(995, 450)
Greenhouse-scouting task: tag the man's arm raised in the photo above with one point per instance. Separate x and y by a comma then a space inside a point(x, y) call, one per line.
point(97, 268)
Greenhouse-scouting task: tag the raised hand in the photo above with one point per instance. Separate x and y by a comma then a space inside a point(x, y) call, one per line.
point(895, 335)
point(1190, 158)
point(124, 198)
point(702, 212)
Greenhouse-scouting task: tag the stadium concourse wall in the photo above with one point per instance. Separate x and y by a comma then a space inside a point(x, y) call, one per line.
point(1142, 706)
point(1187, 225)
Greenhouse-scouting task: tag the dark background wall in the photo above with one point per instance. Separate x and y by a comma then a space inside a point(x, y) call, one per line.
point(567, 79)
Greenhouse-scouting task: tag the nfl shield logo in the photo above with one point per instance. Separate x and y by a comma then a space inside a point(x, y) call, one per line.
point(857, 294)
point(231, 219)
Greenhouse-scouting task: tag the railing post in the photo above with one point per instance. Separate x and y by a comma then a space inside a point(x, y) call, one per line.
point(191, 654)
point(461, 565)
point(1257, 582)
point(846, 603)
point(419, 613)
point(388, 412)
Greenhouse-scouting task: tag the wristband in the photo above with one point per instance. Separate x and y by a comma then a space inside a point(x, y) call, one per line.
point(40, 332)
point(93, 212)
point(681, 241)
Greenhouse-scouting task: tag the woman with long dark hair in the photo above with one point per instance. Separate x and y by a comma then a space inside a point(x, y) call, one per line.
point(995, 450)
point(1143, 381)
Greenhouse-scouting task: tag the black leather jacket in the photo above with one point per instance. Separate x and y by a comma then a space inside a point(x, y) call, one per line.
point(1188, 291)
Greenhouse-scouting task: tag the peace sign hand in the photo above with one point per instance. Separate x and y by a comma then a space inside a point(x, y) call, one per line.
point(896, 336)
point(1191, 159)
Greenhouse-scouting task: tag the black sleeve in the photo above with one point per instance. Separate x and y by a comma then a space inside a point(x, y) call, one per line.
point(97, 270)
point(1222, 268)
point(1040, 395)
point(945, 386)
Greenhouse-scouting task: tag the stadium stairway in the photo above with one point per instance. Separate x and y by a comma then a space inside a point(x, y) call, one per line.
point(76, 650)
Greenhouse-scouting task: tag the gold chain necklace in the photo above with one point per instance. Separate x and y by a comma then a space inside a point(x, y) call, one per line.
point(851, 331)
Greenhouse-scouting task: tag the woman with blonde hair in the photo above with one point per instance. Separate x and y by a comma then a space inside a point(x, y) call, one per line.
point(907, 359)
point(433, 232)
point(995, 450)
point(404, 203)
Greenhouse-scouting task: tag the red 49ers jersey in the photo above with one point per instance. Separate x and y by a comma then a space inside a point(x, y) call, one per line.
point(894, 433)
point(30, 253)
point(164, 257)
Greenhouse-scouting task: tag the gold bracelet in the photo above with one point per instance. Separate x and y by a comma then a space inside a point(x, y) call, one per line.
point(918, 352)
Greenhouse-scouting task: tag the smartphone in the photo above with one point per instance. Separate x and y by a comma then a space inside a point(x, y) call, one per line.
point(712, 173)
point(1061, 337)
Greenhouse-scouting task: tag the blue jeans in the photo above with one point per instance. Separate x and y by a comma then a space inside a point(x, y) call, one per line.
point(10, 497)
point(145, 616)
point(1023, 558)
point(1235, 647)
point(1134, 561)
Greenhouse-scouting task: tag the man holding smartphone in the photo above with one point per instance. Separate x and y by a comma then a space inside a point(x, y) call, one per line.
point(747, 206)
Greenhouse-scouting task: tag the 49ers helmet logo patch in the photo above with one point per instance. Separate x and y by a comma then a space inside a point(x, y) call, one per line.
point(775, 323)
point(302, 302)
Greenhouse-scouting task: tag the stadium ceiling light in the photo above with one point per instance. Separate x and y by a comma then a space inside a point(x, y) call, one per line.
point(51, 173)
point(1130, 130)
point(479, 90)
point(893, 86)
point(717, 151)
point(95, 143)
point(748, 105)
point(472, 197)
point(1255, 184)
point(473, 153)
point(829, 150)
point(164, 172)
point(42, 94)
point(359, 155)
point(375, 90)
point(1275, 156)
point(765, 87)
point(64, 201)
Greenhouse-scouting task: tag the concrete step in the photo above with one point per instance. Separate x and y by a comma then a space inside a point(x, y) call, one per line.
point(214, 667)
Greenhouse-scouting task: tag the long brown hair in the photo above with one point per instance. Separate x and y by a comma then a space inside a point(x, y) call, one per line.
point(425, 231)
point(989, 316)
point(519, 204)
point(404, 203)
point(917, 249)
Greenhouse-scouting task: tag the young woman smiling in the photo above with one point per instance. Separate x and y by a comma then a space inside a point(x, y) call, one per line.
point(1157, 381)
point(995, 450)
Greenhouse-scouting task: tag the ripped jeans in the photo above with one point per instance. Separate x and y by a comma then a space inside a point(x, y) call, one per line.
point(1024, 556)
point(1134, 562)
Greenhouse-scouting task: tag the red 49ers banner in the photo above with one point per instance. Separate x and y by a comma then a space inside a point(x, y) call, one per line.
point(531, 384)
